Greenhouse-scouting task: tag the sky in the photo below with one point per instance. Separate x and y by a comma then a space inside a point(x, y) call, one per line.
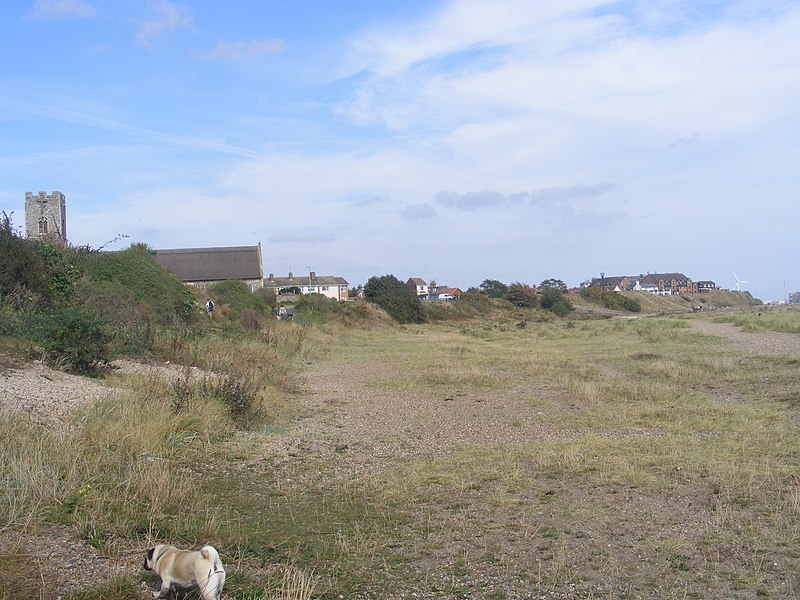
point(455, 141)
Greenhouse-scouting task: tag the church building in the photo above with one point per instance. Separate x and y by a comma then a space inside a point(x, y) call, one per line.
point(46, 217)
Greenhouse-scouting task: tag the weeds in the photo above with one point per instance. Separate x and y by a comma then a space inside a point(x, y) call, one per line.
point(236, 394)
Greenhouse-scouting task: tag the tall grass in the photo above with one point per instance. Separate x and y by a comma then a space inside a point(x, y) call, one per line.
point(785, 319)
point(119, 472)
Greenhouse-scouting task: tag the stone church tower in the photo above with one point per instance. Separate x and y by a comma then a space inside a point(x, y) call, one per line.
point(46, 217)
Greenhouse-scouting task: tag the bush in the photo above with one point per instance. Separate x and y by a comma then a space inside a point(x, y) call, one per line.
point(23, 272)
point(139, 286)
point(611, 300)
point(493, 288)
point(63, 273)
point(522, 295)
point(73, 338)
point(238, 296)
point(554, 300)
point(395, 297)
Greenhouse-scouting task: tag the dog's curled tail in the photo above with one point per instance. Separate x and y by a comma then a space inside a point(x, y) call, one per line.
point(210, 553)
point(216, 576)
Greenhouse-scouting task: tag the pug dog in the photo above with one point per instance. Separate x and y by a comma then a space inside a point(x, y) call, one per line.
point(200, 568)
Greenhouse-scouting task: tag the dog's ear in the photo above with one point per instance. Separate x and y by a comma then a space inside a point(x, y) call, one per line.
point(147, 558)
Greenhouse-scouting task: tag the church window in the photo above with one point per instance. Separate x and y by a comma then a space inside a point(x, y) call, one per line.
point(43, 226)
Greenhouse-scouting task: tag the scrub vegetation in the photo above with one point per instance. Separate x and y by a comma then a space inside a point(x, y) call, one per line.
point(491, 451)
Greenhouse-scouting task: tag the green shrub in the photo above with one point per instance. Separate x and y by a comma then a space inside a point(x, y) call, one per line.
point(469, 305)
point(13, 323)
point(73, 338)
point(239, 298)
point(555, 300)
point(23, 272)
point(522, 295)
point(63, 273)
point(395, 297)
point(130, 285)
point(611, 300)
point(493, 288)
point(318, 309)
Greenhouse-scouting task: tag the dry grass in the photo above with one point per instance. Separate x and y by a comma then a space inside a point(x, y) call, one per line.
point(783, 319)
point(644, 405)
point(673, 472)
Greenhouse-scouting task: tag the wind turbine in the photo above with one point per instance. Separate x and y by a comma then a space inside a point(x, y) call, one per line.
point(738, 286)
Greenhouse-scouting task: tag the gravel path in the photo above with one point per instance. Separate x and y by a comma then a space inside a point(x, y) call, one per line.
point(369, 426)
point(761, 342)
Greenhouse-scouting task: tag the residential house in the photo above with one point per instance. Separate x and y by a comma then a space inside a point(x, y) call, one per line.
point(202, 267)
point(335, 288)
point(619, 283)
point(419, 287)
point(447, 293)
point(667, 284)
point(706, 286)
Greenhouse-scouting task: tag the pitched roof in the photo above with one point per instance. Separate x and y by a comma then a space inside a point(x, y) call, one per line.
point(304, 280)
point(656, 277)
point(449, 290)
point(600, 281)
point(212, 264)
point(416, 281)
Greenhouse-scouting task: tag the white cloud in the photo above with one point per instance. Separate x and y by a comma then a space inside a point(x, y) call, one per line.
point(490, 199)
point(235, 51)
point(464, 66)
point(303, 237)
point(462, 26)
point(573, 192)
point(472, 200)
point(170, 17)
point(418, 212)
point(44, 9)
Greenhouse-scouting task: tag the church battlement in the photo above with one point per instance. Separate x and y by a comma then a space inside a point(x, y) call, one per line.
point(46, 217)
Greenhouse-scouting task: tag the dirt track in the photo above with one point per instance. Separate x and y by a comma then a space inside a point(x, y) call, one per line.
point(762, 342)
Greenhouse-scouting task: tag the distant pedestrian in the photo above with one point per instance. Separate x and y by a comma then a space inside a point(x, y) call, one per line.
point(210, 308)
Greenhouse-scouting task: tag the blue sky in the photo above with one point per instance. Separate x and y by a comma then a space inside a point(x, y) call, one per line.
point(455, 141)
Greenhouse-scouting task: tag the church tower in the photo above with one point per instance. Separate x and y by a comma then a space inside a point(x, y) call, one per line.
point(46, 217)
